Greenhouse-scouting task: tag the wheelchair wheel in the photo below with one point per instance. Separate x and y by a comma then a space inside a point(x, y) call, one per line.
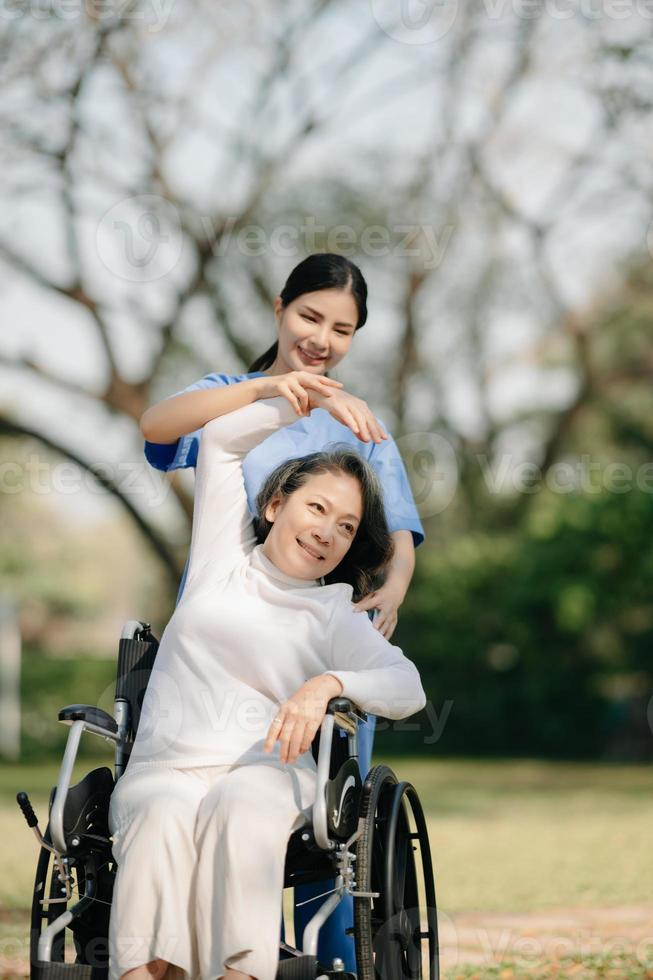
point(391, 941)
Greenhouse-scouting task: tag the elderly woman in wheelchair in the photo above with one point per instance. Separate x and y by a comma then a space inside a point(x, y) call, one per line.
point(238, 775)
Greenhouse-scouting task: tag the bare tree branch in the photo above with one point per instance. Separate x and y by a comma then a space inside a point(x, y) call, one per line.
point(64, 384)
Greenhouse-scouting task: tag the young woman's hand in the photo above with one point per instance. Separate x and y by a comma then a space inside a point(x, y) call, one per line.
point(299, 718)
point(385, 601)
point(296, 385)
point(352, 412)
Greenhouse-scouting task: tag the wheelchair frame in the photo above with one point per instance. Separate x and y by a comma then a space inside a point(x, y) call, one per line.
point(344, 813)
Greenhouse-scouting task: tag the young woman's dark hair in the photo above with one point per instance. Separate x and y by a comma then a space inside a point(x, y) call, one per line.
point(372, 547)
point(322, 270)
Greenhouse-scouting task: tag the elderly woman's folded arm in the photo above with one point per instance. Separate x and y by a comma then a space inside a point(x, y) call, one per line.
point(374, 673)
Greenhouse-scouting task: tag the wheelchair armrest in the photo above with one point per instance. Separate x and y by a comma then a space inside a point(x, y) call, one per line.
point(345, 705)
point(345, 713)
point(90, 713)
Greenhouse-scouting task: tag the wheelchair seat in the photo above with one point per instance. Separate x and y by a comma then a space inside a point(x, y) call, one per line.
point(360, 837)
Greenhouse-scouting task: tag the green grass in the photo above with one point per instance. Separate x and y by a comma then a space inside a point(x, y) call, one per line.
point(506, 836)
point(518, 836)
point(617, 967)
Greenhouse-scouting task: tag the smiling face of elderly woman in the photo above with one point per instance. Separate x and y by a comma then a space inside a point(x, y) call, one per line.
point(313, 527)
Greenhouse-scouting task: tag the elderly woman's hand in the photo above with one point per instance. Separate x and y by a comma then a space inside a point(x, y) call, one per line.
point(299, 718)
point(352, 412)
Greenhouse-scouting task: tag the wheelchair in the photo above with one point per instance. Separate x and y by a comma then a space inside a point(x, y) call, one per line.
point(361, 837)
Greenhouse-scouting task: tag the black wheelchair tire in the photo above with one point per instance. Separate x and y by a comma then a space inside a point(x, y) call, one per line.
point(39, 892)
point(387, 929)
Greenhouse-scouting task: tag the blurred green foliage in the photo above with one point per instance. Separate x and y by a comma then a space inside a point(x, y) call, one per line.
point(49, 684)
point(541, 637)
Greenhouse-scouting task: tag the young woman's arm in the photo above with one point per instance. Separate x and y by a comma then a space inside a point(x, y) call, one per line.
point(387, 599)
point(174, 417)
point(402, 565)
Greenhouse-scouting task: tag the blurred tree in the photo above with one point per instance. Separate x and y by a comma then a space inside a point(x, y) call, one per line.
point(142, 128)
point(56, 73)
point(72, 580)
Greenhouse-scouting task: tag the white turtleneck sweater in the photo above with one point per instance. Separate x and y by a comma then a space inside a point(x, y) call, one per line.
point(246, 636)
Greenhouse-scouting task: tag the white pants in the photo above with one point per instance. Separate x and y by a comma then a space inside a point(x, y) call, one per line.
point(201, 856)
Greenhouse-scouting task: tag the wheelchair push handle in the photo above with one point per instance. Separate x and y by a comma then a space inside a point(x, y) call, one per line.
point(26, 807)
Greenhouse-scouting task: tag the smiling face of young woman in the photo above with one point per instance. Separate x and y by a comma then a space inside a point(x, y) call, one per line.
point(313, 528)
point(315, 331)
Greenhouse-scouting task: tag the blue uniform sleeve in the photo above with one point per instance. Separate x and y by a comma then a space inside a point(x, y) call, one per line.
point(168, 456)
point(400, 509)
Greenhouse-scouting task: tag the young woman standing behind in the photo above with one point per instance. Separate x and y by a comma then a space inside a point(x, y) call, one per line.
point(322, 305)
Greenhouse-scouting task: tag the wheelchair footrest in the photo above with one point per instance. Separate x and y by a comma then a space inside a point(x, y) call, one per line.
point(308, 968)
point(67, 971)
point(298, 968)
